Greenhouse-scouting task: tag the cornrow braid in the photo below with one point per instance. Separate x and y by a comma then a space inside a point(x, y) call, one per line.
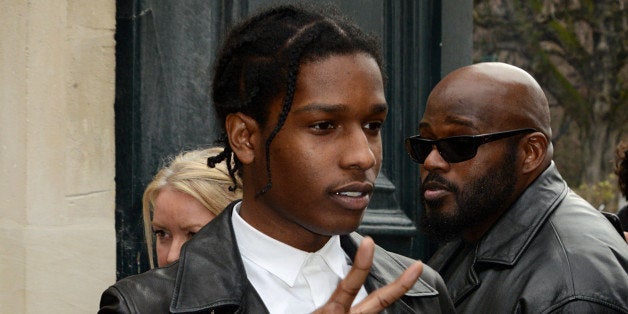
point(259, 63)
point(293, 73)
point(227, 154)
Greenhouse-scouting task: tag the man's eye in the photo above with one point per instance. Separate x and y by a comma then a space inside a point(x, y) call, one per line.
point(323, 126)
point(373, 126)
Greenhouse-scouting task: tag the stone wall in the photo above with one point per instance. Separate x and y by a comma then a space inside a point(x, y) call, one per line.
point(57, 155)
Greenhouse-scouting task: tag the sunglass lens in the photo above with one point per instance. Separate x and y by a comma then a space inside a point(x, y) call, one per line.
point(457, 149)
point(452, 150)
point(413, 146)
point(422, 149)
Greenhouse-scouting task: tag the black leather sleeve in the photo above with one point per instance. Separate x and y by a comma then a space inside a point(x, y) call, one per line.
point(112, 301)
point(149, 292)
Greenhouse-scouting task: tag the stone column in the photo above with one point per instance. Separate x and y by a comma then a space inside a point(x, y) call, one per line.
point(57, 75)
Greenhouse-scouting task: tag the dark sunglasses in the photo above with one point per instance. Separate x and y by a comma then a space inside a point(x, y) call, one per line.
point(456, 148)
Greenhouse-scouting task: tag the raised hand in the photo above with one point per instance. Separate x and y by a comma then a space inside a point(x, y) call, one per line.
point(340, 301)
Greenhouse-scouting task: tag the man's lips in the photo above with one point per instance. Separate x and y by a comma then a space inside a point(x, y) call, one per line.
point(354, 196)
point(434, 190)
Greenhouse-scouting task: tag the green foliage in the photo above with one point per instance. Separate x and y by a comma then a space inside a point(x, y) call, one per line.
point(566, 36)
point(577, 50)
point(576, 106)
point(602, 195)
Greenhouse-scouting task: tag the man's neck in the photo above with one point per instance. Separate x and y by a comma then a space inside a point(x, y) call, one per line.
point(298, 236)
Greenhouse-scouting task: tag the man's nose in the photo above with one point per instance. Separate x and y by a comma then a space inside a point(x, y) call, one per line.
point(358, 151)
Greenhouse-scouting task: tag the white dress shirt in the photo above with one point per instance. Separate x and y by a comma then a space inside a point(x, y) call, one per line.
point(287, 279)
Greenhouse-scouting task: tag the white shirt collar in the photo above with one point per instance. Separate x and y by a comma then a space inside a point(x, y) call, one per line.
point(280, 259)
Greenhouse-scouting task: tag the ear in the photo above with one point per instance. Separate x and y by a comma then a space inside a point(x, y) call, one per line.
point(535, 150)
point(243, 134)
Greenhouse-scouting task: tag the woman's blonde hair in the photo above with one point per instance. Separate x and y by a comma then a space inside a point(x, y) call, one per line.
point(188, 172)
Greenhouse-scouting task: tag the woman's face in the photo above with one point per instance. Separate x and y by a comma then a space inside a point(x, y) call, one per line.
point(176, 218)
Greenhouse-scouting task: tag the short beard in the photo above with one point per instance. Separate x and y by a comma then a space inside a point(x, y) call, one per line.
point(475, 202)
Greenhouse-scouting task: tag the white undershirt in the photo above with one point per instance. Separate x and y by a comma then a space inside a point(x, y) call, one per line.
point(287, 279)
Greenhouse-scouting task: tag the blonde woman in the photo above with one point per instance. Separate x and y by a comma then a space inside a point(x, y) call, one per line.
point(182, 198)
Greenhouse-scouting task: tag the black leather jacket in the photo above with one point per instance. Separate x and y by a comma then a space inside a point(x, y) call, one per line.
point(550, 252)
point(210, 278)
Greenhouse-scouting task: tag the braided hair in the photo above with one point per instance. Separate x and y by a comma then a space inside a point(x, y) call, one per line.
point(259, 62)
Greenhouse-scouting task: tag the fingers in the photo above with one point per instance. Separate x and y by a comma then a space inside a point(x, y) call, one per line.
point(385, 296)
point(342, 298)
point(349, 287)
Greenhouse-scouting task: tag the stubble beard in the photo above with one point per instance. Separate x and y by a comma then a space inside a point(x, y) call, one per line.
point(474, 203)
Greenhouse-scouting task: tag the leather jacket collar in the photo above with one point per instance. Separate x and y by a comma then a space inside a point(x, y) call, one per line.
point(514, 231)
point(198, 285)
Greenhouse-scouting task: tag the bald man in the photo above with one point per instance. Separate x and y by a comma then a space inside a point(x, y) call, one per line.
point(518, 240)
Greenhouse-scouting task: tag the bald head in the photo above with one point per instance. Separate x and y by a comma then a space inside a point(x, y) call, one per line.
point(494, 96)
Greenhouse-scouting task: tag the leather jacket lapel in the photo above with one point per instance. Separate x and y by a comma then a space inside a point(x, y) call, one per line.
point(211, 273)
point(513, 232)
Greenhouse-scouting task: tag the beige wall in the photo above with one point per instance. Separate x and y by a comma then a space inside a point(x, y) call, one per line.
point(57, 82)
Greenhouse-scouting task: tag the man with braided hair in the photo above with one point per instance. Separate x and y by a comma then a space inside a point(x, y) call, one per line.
point(301, 100)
